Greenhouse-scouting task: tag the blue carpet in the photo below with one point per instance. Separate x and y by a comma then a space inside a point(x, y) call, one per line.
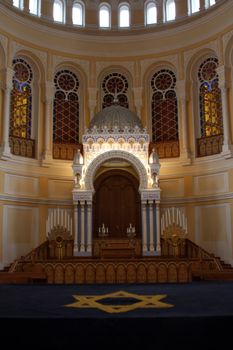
point(202, 313)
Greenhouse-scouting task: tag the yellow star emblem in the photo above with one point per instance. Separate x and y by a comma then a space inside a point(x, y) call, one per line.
point(142, 302)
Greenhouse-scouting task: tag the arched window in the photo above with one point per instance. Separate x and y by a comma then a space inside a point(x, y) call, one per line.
point(18, 3)
point(34, 7)
point(58, 11)
point(124, 16)
point(194, 6)
point(210, 105)
point(165, 113)
point(170, 10)
point(150, 13)
point(21, 109)
point(65, 114)
point(209, 3)
point(104, 16)
point(210, 99)
point(78, 13)
point(115, 87)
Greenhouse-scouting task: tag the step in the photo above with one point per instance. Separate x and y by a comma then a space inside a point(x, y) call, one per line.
point(218, 276)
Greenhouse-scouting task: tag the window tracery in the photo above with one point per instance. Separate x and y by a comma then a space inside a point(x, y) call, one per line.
point(66, 108)
point(21, 100)
point(164, 106)
point(211, 122)
point(115, 85)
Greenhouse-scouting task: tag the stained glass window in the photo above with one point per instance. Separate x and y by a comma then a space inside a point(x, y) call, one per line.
point(211, 122)
point(115, 85)
point(21, 100)
point(66, 108)
point(164, 106)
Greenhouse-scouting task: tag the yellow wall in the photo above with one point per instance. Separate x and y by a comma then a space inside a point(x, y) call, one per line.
point(202, 187)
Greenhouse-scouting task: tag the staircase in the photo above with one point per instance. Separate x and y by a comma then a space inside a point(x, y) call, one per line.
point(189, 263)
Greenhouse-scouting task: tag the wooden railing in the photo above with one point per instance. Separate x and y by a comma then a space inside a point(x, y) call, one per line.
point(166, 149)
point(208, 146)
point(39, 253)
point(65, 151)
point(22, 147)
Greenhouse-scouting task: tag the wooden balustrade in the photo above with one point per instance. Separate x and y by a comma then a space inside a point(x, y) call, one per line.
point(208, 146)
point(65, 151)
point(22, 147)
point(166, 149)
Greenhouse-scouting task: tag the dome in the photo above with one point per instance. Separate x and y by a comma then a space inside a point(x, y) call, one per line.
point(116, 116)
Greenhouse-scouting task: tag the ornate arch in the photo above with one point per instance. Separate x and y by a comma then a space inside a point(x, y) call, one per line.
point(115, 154)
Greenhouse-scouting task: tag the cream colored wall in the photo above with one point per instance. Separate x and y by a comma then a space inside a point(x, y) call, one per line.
point(203, 188)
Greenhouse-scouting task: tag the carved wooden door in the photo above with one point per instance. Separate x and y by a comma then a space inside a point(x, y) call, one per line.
point(116, 203)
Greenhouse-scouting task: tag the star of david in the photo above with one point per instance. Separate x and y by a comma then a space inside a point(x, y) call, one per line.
point(141, 302)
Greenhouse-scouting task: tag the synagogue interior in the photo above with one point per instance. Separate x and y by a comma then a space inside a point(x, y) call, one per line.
point(116, 129)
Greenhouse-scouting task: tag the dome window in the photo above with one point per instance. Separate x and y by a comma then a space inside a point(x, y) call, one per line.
point(150, 13)
point(124, 16)
point(104, 16)
point(78, 13)
point(58, 11)
point(170, 10)
point(18, 3)
point(34, 7)
point(194, 6)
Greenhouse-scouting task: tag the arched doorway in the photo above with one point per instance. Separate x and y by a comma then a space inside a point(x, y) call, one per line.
point(116, 203)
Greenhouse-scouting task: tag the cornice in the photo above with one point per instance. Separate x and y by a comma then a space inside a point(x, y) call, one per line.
point(105, 40)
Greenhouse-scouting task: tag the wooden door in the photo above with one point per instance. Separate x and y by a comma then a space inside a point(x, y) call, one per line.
point(116, 203)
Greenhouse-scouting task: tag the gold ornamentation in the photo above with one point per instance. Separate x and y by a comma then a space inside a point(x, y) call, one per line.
point(175, 236)
point(143, 302)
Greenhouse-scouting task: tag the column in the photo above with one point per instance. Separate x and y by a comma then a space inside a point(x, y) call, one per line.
point(26, 5)
point(49, 95)
point(144, 228)
point(184, 151)
point(224, 73)
point(138, 99)
point(151, 205)
point(5, 148)
point(82, 243)
point(89, 227)
point(92, 101)
point(75, 229)
point(158, 246)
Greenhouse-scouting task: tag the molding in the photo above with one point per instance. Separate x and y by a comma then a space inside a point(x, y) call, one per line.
point(190, 200)
point(225, 183)
point(165, 201)
point(3, 43)
point(115, 154)
point(34, 236)
point(14, 177)
point(42, 56)
point(101, 66)
point(39, 201)
point(219, 245)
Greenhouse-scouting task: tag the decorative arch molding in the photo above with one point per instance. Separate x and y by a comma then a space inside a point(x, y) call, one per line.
point(115, 154)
